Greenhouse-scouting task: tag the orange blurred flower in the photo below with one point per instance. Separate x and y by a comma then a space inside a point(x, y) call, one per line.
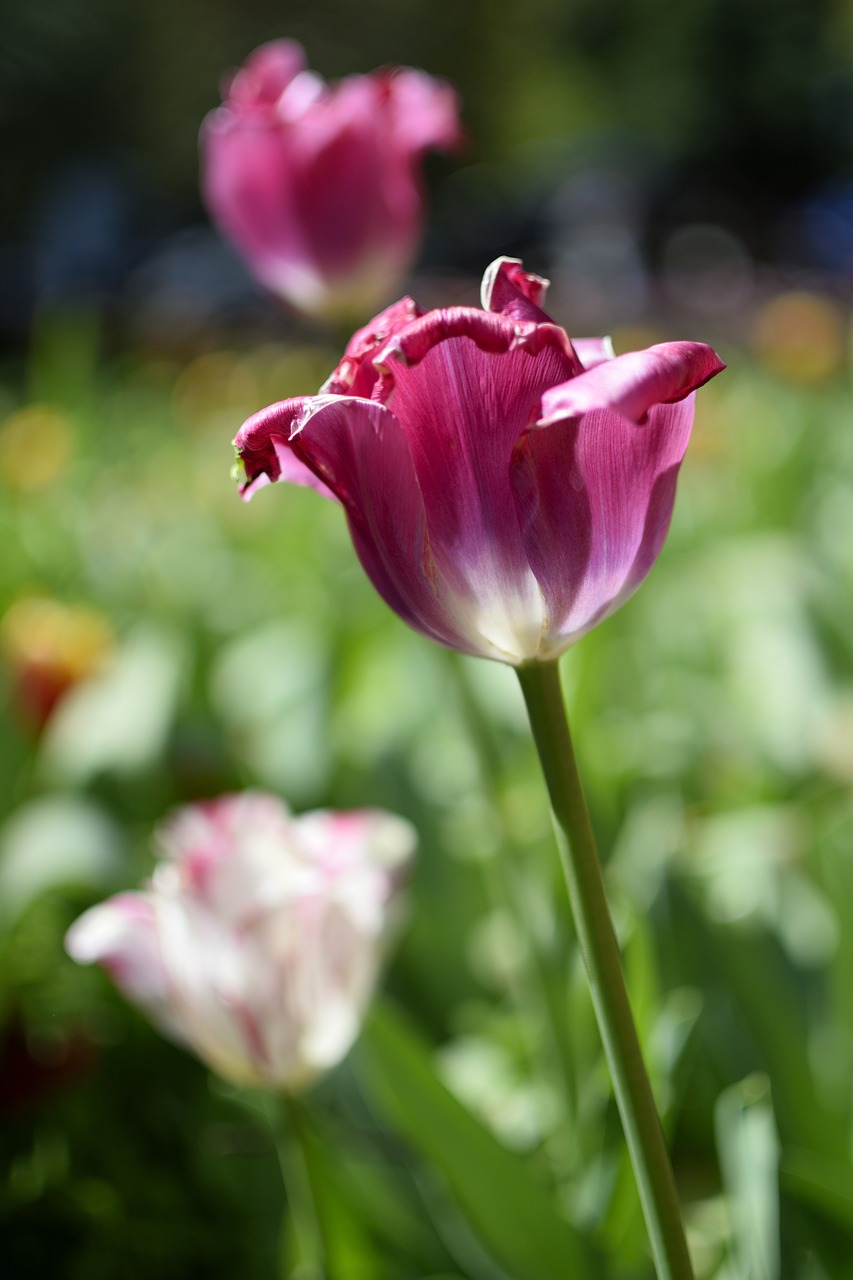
point(48, 647)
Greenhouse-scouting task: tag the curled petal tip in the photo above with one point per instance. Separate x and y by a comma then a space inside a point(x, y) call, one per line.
point(631, 384)
point(508, 289)
point(247, 486)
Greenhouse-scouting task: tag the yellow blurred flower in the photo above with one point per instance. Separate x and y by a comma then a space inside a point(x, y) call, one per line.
point(36, 445)
point(800, 336)
point(212, 391)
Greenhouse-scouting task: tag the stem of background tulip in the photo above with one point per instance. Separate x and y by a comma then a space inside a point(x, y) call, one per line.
point(287, 1126)
point(540, 684)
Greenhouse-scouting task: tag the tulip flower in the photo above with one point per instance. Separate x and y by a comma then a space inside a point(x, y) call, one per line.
point(50, 647)
point(506, 489)
point(318, 186)
point(258, 941)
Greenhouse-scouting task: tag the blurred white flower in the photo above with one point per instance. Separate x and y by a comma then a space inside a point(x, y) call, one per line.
point(258, 941)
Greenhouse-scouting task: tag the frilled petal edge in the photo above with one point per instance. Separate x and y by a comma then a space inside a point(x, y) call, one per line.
point(356, 375)
point(495, 334)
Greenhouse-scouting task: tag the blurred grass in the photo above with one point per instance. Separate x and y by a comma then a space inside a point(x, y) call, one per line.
point(714, 722)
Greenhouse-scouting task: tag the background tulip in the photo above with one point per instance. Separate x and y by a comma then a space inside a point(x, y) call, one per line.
point(318, 186)
point(506, 490)
point(49, 647)
point(258, 940)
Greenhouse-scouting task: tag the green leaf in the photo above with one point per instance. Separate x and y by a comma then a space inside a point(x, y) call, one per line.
point(54, 841)
point(351, 1253)
point(823, 1183)
point(749, 1160)
point(510, 1211)
point(118, 722)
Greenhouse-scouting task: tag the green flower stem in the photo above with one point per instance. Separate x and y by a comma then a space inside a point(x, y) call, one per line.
point(540, 684)
point(287, 1126)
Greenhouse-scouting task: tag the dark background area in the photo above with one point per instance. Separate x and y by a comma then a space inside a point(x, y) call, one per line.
point(583, 118)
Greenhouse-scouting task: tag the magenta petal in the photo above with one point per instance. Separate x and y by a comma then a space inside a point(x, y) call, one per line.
point(356, 374)
point(424, 111)
point(511, 291)
point(255, 442)
point(464, 391)
point(294, 471)
point(594, 500)
point(261, 444)
point(247, 185)
point(629, 385)
point(341, 147)
point(358, 451)
point(266, 74)
point(593, 351)
point(496, 334)
point(410, 345)
point(464, 396)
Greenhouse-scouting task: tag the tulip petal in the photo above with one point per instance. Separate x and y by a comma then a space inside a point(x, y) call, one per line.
point(199, 839)
point(121, 935)
point(333, 151)
point(356, 375)
point(266, 74)
point(301, 94)
point(594, 498)
point(246, 186)
point(358, 451)
point(424, 112)
point(496, 334)
point(217, 980)
point(462, 441)
point(255, 443)
point(593, 351)
point(629, 385)
point(511, 291)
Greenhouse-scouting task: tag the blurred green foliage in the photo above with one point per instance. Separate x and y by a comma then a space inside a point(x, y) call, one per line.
point(161, 642)
point(714, 722)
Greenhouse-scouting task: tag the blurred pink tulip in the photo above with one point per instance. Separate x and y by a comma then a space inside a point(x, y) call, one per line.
point(258, 941)
point(318, 186)
point(505, 489)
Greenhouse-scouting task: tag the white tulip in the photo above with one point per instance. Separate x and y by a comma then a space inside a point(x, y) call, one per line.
point(258, 941)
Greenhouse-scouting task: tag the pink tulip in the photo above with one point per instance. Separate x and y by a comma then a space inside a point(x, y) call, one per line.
point(318, 186)
point(258, 940)
point(505, 489)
